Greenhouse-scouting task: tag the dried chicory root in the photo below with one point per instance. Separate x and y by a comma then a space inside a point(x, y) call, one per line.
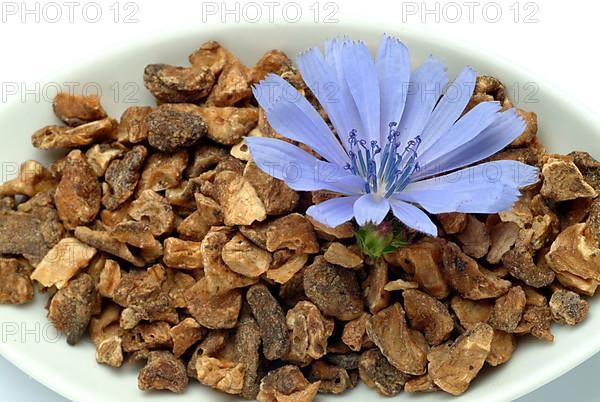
point(159, 238)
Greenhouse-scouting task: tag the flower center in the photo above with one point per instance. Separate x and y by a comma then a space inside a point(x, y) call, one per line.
point(390, 173)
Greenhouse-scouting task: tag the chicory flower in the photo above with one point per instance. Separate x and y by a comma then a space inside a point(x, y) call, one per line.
point(397, 135)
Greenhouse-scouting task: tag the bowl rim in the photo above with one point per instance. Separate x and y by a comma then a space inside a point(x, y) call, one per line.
point(569, 104)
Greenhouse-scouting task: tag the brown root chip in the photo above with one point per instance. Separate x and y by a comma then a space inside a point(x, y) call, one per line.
point(212, 55)
point(428, 315)
point(334, 290)
point(71, 308)
point(245, 258)
point(163, 371)
point(355, 333)
point(147, 336)
point(333, 380)
point(474, 239)
point(204, 157)
point(286, 271)
point(170, 130)
point(404, 348)
point(154, 210)
point(78, 194)
point(182, 254)
point(563, 181)
point(239, 200)
point(503, 236)
point(531, 129)
point(376, 372)
point(163, 171)
point(132, 127)
point(508, 310)
point(109, 280)
point(63, 262)
point(218, 275)
point(173, 84)
point(271, 320)
point(33, 178)
point(100, 156)
point(276, 62)
point(109, 351)
point(520, 264)
point(339, 254)
point(185, 334)
point(567, 307)
point(453, 367)
point(470, 280)
point(246, 344)
point(343, 231)
point(220, 374)
point(105, 242)
point(76, 110)
point(276, 196)
point(502, 349)
point(453, 222)
point(287, 384)
point(469, 312)
point(536, 321)
point(228, 125)
point(309, 332)
point(59, 137)
point(424, 259)
point(122, 177)
point(422, 383)
point(294, 232)
point(214, 311)
point(572, 252)
point(232, 86)
point(375, 296)
point(15, 286)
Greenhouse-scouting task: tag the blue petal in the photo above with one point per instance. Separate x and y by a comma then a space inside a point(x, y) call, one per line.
point(290, 114)
point(486, 188)
point(332, 92)
point(393, 70)
point(333, 212)
point(299, 169)
point(413, 217)
point(467, 128)
point(450, 107)
point(424, 90)
point(361, 76)
point(371, 209)
point(508, 126)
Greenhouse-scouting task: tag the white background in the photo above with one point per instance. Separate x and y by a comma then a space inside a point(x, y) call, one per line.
point(555, 40)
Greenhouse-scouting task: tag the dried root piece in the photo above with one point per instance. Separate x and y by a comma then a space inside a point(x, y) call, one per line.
point(466, 276)
point(246, 345)
point(239, 200)
point(163, 171)
point(333, 289)
point(271, 320)
point(276, 196)
point(105, 242)
point(171, 130)
point(572, 252)
point(163, 371)
point(245, 258)
point(375, 296)
point(470, 313)
point(474, 239)
point(567, 307)
point(33, 178)
point(78, 194)
point(185, 334)
point(228, 125)
point(212, 55)
point(563, 181)
point(132, 127)
point(429, 315)
point(355, 333)
point(508, 310)
point(15, 286)
point(71, 308)
point(214, 311)
point(63, 262)
point(376, 372)
point(182, 254)
point(502, 349)
point(309, 332)
point(76, 110)
point(283, 273)
point(453, 367)
point(287, 384)
point(294, 232)
point(59, 137)
point(339, 254)
point(406, 349)
point(536, 321)
point(520, 264)
point(122, 177)
point(109, 351)
point(173, 84)
point(153, 209)
point(333, 380)
point(220, 374)
point(232, 85)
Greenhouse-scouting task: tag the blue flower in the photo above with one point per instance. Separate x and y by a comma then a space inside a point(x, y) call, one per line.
point(397, 135)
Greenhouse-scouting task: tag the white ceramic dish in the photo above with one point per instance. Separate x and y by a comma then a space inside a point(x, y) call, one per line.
point(30, 343)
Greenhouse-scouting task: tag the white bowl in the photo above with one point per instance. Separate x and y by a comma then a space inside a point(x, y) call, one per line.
point(31, 344)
